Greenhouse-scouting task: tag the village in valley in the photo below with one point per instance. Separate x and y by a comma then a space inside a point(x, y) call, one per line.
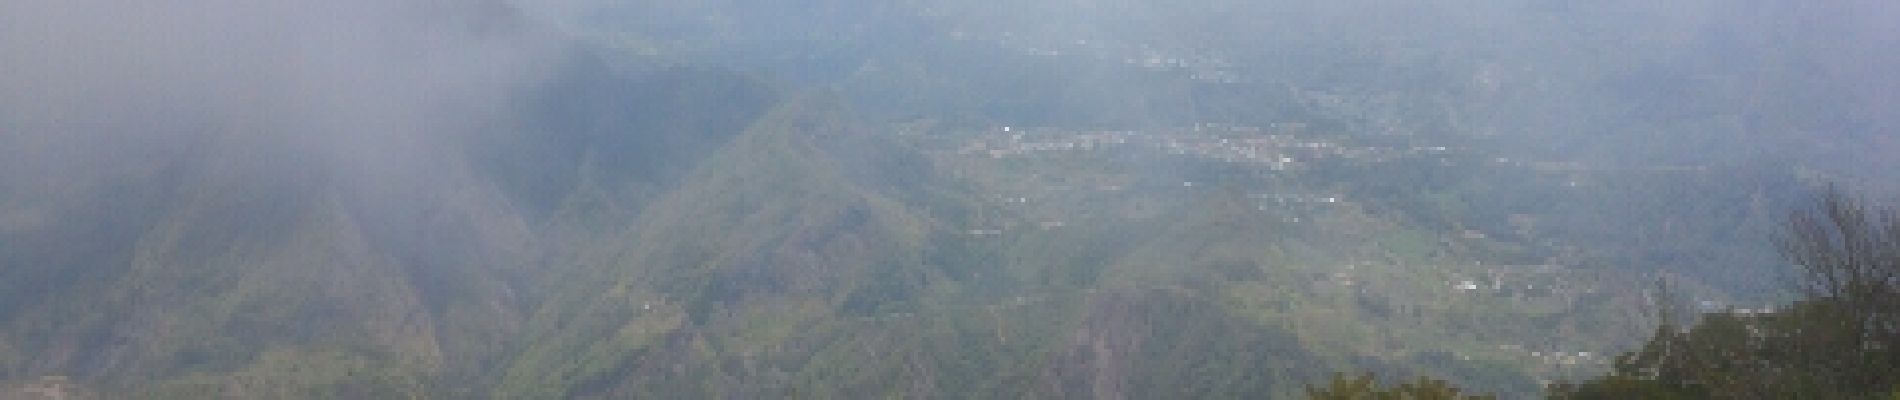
point(51, 387)
point(1339, 179)
point(1043, 180)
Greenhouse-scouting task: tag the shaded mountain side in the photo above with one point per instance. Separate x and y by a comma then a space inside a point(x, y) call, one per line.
point(595, 148)
point(241, 265)
point(773, 215)
point(64, 222)
point(250, 254)
point(627, 133)
point(1134, 344)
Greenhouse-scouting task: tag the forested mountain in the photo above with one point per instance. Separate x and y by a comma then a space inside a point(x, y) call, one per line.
point(248, 269)
point(920, 198)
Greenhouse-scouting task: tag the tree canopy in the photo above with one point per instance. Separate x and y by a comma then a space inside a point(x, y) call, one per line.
point(1839, 341)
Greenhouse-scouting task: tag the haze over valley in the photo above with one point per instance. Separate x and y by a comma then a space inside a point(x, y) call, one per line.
point(917, 198)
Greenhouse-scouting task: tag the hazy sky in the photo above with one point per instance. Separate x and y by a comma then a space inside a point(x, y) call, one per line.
point(363, 85)
point(375, 85)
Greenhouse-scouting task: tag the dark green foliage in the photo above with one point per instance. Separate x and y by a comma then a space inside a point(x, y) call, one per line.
point(1727, 356)
point(624, 131)
point(890, 289)
point(1840, 341)
point(1194, 349)
point(1366, 388)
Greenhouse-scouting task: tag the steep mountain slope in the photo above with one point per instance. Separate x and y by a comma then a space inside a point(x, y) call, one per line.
point(815, 256)
point(241, 264)
point(772, 218)
point(242, 258)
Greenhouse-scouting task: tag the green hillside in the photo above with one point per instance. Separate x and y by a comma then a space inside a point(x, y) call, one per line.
point(815, 256)
point(913, 199)
point(812, 253)
point(244, 267)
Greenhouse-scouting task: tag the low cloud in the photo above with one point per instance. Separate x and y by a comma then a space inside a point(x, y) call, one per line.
point(361, 87)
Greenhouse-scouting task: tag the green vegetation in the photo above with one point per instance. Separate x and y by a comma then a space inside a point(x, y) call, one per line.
point(1835, 343)
point(814, 254)
point(1838, 342)
point(333, 374)
point(1365, 388)
point(965, 202)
